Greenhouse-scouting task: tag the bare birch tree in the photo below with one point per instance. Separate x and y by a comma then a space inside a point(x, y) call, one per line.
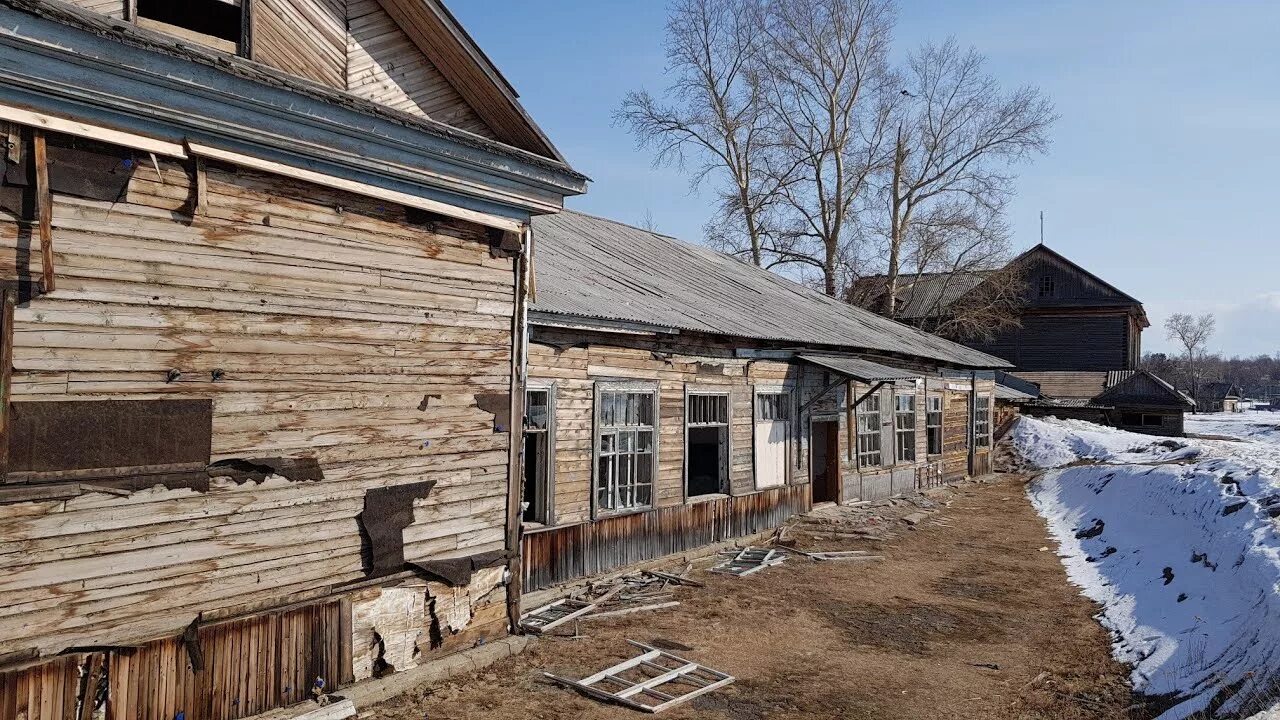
point(1193, 334)
point(829, 85)
point(714, 115)
point(958, 136)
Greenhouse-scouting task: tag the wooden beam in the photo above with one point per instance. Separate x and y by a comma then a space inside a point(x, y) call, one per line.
point(54, 123)
point(246, 29)
point(202, 189)
point(519, 383)
point(44, 210)
point(356, 187)
point(7, 303)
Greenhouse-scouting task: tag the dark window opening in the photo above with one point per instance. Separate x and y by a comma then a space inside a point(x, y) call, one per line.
point(707, 445)
point(1142, 420)
point(1046, 286)
point(933, 424)
point(205, 21)
point(536, 506)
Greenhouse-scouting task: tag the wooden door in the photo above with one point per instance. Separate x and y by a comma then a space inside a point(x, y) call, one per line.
point(824, 461)
point(771, 439)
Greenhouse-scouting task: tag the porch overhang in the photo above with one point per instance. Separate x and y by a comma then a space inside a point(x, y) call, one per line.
point(861, 370)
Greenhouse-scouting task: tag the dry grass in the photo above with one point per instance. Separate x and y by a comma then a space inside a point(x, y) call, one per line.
point(910, 637)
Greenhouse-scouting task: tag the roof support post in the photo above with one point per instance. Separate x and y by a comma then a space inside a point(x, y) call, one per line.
point(874, 389)
point(515, 426)
point(44, 209)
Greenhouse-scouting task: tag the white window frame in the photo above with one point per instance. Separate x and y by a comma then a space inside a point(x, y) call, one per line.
point(941, 400)
point(549, 472)
point(862, 416)
point(690, 392)
point(599, 430)
point(982, 422)
point(899, 431)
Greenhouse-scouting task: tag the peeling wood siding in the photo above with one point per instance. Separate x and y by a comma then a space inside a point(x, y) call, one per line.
point(333, 320)
point(302, 37)
point(562, 554)
point(113, 8)
point(385, 66)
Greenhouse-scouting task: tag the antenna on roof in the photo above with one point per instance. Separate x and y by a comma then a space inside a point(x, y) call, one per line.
point(1041, 227)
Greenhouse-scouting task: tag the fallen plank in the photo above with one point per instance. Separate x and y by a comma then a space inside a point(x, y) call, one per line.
point(677, 579)
point(628, 611)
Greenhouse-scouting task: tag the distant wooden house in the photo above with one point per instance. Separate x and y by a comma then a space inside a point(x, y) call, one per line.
point(679, 397)
point(1069, 318)
point(1218, 397)
point(264, 289)
point(1134, 400)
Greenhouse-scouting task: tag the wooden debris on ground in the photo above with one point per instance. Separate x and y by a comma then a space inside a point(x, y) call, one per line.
point(749, 560)
point(639, 591)
point(841, 555)
point(650, 682)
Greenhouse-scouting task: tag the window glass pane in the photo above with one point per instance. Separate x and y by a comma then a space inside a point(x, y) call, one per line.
point(535, 416)
point(626, 447)
point(644, 441)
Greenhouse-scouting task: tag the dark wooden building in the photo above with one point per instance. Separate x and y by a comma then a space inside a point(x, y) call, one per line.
point(1218, 397)
point(1070, 319)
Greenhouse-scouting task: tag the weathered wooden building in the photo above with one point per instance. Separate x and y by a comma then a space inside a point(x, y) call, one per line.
point(262, 326)
point(1069, 318)
point(1218, 397)
point(678, 397)
point(1134, 400)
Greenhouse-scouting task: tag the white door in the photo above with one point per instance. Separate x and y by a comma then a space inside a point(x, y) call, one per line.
point(772, 423)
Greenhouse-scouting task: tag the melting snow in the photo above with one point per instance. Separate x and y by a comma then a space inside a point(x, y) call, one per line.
point(1175, 538)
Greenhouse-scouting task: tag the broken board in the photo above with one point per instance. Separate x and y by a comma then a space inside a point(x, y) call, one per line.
point(749, 560)
point(650, 681)
point(554, 615)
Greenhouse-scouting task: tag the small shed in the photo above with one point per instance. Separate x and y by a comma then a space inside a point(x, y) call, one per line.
point(1218, 397)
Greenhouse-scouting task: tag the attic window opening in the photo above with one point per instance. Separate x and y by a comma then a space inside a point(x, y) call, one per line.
point(1046, 286)
point(213, 23)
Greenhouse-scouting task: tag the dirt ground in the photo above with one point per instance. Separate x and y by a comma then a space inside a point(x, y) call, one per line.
point(965, 618)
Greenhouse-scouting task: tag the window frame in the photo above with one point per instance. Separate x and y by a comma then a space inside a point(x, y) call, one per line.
point(862, 414)
point(549, 471)
point(981, 407)
point(690, 392)
point(928, 428)
point(899, 431)
point(788, 404)
point(1047, 286)
point(621, 386)
point(244, 45)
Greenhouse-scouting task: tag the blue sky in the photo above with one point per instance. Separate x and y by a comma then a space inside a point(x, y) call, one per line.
point(1161, 179)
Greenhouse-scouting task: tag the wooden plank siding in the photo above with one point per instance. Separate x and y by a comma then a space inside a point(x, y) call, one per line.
point(385, 66)
point(113, 8)
point(340, 332)
point(307, 38)
point(1065, 340)
point(582, 542)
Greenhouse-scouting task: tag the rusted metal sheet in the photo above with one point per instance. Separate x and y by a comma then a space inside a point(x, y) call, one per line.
point(99, 438)
point(563, 554)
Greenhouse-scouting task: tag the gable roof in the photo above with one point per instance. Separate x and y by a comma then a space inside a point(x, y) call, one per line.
point(1218, 391)
point(1142, 387)
point(592, 268)
point(448, 45)
point(929, 295)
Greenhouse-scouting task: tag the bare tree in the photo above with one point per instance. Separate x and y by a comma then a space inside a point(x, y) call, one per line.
point(958, 135)
point(828, 79)
point(1193, 334)
point(715, 116)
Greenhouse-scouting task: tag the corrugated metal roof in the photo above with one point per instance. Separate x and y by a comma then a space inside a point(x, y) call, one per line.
point(859, 369)
point(1004, 392)
point(590, 267)
point(926, 295)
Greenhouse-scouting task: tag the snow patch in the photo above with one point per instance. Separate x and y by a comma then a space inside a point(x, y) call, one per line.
point(1184, 558)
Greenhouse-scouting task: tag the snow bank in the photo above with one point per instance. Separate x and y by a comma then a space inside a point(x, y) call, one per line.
point(1053, 443)
point(1183, 558)
point(1249, 425)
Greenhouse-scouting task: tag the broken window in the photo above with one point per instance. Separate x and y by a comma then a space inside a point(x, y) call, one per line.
point(982, 423)
point(904, 427)
point(933, 424)
point(625, 444)
point(706, 444)
point(214, 23)
point(869, 431)
point(538, 472)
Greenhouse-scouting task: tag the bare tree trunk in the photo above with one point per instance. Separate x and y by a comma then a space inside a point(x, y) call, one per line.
point(896, 229)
